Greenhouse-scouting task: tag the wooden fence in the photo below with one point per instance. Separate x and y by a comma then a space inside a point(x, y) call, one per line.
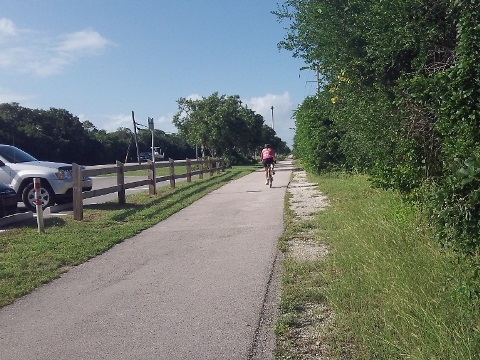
point(202, 166)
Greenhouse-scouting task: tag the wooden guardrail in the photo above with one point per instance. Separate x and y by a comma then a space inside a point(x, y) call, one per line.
point(209, 165)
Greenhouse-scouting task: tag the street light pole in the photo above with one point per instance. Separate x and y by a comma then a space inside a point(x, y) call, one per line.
point(273, 123)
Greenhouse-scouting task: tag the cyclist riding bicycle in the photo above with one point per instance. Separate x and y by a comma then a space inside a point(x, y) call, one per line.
point(268, 158)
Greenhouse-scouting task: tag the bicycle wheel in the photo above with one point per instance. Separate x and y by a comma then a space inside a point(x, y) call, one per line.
point(270, 175)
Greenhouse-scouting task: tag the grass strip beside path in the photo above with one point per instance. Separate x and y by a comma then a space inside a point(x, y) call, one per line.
point(28, 259)
point(393, 292)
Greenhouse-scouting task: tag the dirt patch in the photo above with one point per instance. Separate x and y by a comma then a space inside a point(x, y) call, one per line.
point(306, 199)
point(310, 332)
point(307, 250)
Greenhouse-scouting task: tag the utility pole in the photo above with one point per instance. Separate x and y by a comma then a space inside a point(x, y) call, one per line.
point(136, 140)
point(273, 123)
point(151, 127)
point(152, 130)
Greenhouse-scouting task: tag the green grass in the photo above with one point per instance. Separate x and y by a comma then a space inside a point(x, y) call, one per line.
point(393, 292)
point(28, 259)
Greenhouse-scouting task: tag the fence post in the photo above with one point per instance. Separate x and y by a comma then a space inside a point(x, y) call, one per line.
point(172, 173)
point(38, 205)
point(189, 171)
point(218, 166)
point(210, 166)
point(200, 167)
point(152, 188)
point(121, 183)
point(77, 192)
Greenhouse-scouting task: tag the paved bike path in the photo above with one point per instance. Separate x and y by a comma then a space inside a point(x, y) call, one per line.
point(194, 286)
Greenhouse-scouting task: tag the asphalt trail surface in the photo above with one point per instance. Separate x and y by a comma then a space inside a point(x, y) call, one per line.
point(200, 285)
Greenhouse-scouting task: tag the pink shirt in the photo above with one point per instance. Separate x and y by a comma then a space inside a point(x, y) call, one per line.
point(267, 153)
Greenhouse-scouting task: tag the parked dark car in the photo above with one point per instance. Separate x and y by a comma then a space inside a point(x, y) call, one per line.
point(8, 200)
point(144, 156)
point(147, 155)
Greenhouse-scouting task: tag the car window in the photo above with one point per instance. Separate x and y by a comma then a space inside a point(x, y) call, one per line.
point(13, 155)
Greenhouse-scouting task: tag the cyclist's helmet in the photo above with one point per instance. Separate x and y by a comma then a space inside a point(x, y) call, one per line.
point(267, 145)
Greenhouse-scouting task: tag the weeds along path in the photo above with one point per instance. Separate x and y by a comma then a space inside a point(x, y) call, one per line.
point(307, 339)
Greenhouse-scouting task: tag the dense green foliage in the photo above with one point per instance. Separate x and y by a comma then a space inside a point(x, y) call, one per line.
point(316, 141)
point(400, 91)
point(57, 135)
point(221, 126)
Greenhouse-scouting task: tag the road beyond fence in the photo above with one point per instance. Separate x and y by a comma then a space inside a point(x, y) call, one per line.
point(199, 285)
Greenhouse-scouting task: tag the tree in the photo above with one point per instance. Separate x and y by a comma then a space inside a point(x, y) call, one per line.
point(219, 124)
point(403, 78)
point(316, 137)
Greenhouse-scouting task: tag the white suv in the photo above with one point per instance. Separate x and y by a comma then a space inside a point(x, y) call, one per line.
point(18, 169)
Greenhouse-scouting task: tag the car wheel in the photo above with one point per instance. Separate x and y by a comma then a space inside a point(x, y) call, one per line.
point(46, 196)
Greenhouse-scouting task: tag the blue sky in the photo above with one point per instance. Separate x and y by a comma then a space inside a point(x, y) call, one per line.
point(101, 59)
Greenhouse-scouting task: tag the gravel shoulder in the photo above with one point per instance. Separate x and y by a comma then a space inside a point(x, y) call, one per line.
point(309, 336)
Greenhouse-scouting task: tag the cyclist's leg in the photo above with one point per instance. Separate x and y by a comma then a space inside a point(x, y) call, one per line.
point(265, 170)
point(269, 170)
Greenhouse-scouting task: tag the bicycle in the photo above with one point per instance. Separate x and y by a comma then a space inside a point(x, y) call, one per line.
point(270, 174)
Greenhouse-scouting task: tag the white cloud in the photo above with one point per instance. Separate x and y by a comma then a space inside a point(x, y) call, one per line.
point(7, 28)
point(113, 122)
point(263, 106)
point(164, 123)
point(83, 41)
point(33, 53)
point(194, 97)
point(8, 96)
point(83, 117)
point(282, 113)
